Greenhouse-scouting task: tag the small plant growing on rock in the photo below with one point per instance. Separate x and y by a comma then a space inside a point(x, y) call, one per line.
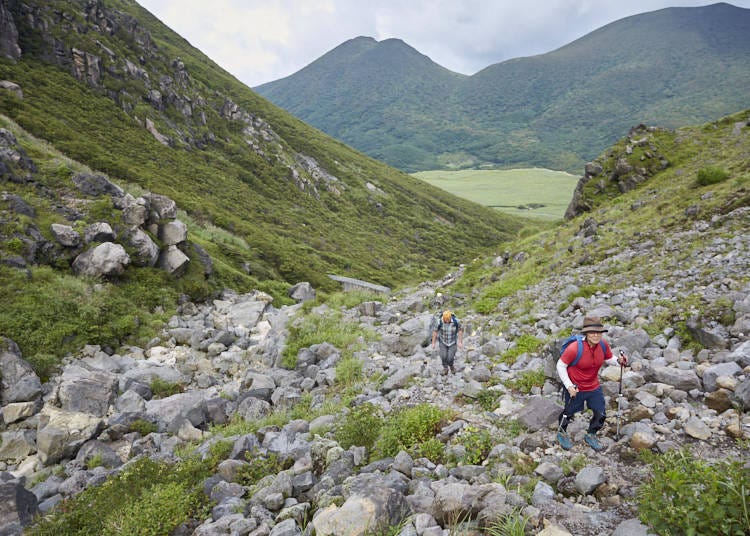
point(162, 388)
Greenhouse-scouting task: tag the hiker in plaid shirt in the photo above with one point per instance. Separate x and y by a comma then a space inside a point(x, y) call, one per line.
point(451, 336)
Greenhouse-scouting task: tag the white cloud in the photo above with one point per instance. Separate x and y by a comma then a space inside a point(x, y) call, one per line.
point(263, 40)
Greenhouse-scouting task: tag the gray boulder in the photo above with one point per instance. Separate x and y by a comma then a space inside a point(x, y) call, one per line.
point(61, 433)
point(105, 260)
point(18, 381)
point(145, 251)
point(65, 235)
point(160, 208)
point(173, 260)
point(173, 233)
point(539, 413)
point(87, 391)
point(96, 185)
point(722, 369)
point(685, 380)
point(98, 232)
point(302, 292)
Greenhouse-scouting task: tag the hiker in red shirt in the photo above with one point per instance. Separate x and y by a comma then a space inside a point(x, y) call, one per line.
point(581, 382)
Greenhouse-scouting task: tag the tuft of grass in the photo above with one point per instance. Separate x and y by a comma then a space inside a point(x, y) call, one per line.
point(162, 389)
point(711, 175)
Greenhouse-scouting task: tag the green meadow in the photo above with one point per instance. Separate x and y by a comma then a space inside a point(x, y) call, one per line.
point(533, 192)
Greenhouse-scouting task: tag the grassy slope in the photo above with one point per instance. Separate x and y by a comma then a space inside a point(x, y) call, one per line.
point(244, 208)
point(662, 214)
point(234, 188)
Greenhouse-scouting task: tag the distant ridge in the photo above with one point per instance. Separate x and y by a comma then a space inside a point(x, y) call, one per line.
point(671, 67)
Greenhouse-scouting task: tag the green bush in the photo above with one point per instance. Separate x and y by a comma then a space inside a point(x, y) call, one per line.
point(487, 399)
point(259, 466)
point(407, 428)
point(711, 175)
point(478, 444)
point(148, 498)
point(689, 496)
point(158, 512)
point(361, 427)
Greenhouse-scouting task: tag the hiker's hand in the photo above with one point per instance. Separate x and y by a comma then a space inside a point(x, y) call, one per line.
point(622, 360)
point(573, 391)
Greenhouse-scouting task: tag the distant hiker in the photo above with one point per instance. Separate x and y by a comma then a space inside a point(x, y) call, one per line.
point(451, 335)
point(581, 380)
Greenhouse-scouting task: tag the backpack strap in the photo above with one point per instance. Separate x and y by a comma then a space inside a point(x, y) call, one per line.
point(579, 353)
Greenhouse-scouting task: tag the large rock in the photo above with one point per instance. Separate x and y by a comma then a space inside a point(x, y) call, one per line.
point(105, 260)
point(61, 433)
point(160, 208)
point(9, 47)
point(96, 185)
point(685, 380)
point(18, 506)
point(712, 373)
point(190, 405)
point(173, 260)
point(302, 292)
point(145, 251)
point(539, 413)
point(173, 233)
point(66, 235)
point(371, 512)
point(87, 391)
point(18, 381)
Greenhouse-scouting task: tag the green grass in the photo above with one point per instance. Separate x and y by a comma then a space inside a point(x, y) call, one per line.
point(535, 192)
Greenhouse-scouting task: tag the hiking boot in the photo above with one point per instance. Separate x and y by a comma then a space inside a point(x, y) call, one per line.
point(593, 442)
point(445, 371)
point(453, 370)
point(564, 439)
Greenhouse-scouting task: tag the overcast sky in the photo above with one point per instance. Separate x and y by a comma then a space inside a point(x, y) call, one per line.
point(260, 41)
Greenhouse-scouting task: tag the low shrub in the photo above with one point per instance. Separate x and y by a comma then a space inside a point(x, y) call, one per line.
point(688, 495)
point(408, 428)
point(150, 498)
point(361, 427)
point(711, 175)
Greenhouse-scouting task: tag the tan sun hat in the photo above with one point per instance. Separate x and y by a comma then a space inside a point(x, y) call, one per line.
point(593, 324)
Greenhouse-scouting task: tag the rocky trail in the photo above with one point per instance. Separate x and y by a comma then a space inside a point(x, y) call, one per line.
point(227, 355)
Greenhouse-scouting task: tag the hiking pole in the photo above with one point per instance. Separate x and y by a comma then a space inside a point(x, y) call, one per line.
point(619, 398)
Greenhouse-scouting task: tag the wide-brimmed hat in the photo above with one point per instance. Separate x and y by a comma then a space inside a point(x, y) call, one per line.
point(593, 324)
